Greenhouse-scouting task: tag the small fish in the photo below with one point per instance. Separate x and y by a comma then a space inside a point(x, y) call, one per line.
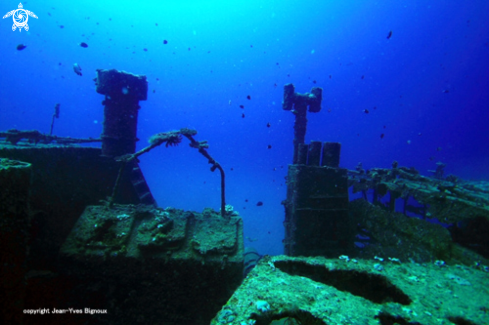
point(389, 35)
point(77, 69)
point(314, 81)
point(446, 91)
point(20, 47)
point(259, 204)
point(83, 44)
point(249, 97)
point(145, 50)
point(268, 124)
point(363, 77)
point(269, 146)
point(241, 106)
point(366, 111)
point(330, 76)
point(382, 136)
point(242, 115)
point(165, 42)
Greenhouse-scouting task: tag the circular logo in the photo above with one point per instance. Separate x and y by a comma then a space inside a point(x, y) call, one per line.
point(20, 18)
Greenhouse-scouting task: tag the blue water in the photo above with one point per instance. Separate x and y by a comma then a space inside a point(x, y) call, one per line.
point(426, 88)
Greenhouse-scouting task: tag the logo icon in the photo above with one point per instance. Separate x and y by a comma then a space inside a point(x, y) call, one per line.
point(20, 17)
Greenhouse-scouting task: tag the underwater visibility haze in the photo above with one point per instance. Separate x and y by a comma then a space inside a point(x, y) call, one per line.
point(402, 80)
point(394, 95)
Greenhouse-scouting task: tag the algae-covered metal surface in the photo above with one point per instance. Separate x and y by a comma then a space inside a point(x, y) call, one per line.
point(448, 199)
point(139, 231)
point(316, 290)
point(151, 264)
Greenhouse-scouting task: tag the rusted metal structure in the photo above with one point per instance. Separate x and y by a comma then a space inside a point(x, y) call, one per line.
point(316, 209)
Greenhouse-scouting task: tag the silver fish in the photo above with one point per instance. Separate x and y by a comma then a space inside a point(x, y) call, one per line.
point(77, 69)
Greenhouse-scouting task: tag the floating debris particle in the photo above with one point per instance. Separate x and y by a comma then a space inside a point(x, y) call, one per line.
point(241, 106)
point(438, 149)
point(83, 44)
point(249, 97)
point(20, 47)
point(165, 41)
point(314, 81)
point(366, 111)
point(362, 77)
point(269, 146)
point(61, 26)
point(389, 35)
point(259, 204)
point(268, 124)
point(242, 115)
point(145, 50)
point(382, 136)
point(446, 91)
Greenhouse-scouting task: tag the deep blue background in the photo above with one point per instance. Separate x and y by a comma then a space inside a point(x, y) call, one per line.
point(429, 83)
